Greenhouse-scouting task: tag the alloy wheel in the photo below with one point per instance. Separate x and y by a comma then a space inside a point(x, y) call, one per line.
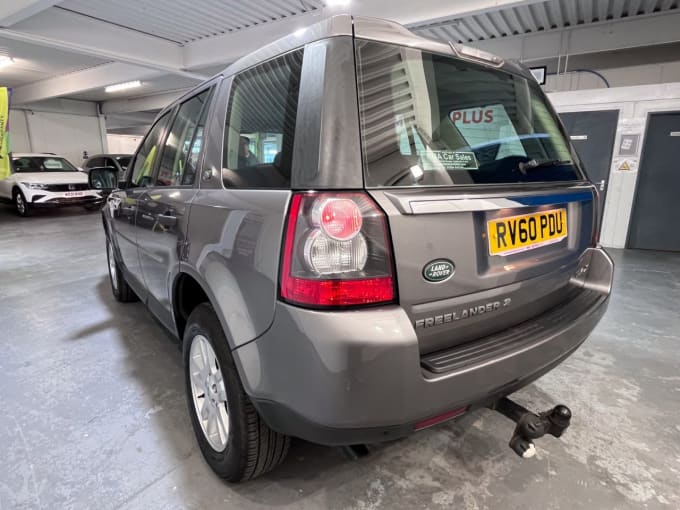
point(209, 393)
point(21, 205)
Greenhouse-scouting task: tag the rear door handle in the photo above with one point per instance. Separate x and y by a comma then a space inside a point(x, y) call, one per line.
point(167, 220)
point(602, 183)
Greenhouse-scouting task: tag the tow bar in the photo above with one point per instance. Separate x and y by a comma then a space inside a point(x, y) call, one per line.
point(531, 426)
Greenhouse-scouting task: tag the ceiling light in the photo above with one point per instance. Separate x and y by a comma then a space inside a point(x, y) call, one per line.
point(5, 61)
point(123, 86)
point(336, 3)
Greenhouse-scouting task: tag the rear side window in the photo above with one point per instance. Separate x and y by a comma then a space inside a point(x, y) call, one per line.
point(433, 120)
point(183, 143)
point(260, 126)
point(148, 154)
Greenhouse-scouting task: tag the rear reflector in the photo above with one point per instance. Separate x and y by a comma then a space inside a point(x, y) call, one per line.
point(438, 419)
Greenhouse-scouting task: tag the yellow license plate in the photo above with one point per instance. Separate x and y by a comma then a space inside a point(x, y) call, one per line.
point(515, 234)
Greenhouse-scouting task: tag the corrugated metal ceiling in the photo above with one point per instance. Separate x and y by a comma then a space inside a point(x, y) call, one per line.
point(183, 22)
point(538, 16)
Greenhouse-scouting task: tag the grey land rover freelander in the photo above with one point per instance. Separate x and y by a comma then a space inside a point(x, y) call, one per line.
point(359, 233)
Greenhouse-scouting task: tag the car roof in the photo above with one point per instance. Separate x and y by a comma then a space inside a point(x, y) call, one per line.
point(360, 27)
point(110, 155)
point(36, 155)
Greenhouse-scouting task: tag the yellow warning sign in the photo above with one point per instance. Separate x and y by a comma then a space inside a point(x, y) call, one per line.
point(623, 167)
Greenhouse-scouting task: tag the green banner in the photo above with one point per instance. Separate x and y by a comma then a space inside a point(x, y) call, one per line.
point(5, 170)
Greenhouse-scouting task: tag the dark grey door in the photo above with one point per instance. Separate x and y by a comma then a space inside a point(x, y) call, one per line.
point(163, 212)
point(593, 134)
point(124, 207)
point(656, 215)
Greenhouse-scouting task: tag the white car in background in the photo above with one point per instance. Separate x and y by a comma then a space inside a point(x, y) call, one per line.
point(46, 180)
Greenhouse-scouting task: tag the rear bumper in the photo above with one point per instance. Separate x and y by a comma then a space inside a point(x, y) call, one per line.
point(357, 376)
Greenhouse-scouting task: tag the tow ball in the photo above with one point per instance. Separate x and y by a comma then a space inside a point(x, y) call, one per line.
point(531, 426)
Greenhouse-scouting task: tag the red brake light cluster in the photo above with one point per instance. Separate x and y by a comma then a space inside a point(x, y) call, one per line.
point(340, 218)
point(336, 252)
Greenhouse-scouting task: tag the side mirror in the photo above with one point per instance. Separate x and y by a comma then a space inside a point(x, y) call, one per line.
point(104, 179)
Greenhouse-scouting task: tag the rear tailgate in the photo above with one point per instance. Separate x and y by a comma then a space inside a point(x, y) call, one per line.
point(487, 292)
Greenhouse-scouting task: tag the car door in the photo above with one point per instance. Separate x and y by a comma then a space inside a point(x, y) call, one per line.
point(162, 214)
point(124, 203)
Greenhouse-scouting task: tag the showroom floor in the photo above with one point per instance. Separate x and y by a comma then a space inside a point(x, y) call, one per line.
point(94, 414)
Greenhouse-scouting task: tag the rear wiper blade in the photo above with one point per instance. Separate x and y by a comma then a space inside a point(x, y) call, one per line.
point(532, 164)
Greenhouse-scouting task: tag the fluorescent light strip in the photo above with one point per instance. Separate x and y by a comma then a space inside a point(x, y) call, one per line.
point(123, 86)
point(5, 61)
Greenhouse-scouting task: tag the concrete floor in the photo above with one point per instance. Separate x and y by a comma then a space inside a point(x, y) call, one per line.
point(94, 416)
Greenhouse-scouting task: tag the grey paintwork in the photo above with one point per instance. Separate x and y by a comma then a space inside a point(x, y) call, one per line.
point(349, 372)
point(327, 153)
point(161, 227)
point(359, 369)
point(534, 281)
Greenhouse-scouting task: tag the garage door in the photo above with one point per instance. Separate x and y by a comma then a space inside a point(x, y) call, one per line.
point(655, 223)
point(593, 134)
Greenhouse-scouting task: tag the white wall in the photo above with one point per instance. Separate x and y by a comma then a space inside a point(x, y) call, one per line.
point(61, 126)
point(634, 105)
point(123, 144)
point(645, 74)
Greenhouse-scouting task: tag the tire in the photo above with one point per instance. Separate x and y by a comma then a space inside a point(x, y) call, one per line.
point(21, 206)
point(244, 447)
point(120, 288)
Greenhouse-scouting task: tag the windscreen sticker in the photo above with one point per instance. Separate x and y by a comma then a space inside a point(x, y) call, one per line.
point(52, 164)
point(487, 126)
point(452, 160)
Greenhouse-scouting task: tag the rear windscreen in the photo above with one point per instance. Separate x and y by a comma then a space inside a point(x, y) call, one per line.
point(433, 120)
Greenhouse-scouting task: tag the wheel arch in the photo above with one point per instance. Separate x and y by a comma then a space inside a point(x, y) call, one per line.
point(188, 291)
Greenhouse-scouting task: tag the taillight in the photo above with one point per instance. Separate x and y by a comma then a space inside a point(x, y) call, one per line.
point(336, 252)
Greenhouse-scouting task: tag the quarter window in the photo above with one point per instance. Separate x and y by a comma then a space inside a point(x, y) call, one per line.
point(260, 126)
point(183, 143)
point(147, 154)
